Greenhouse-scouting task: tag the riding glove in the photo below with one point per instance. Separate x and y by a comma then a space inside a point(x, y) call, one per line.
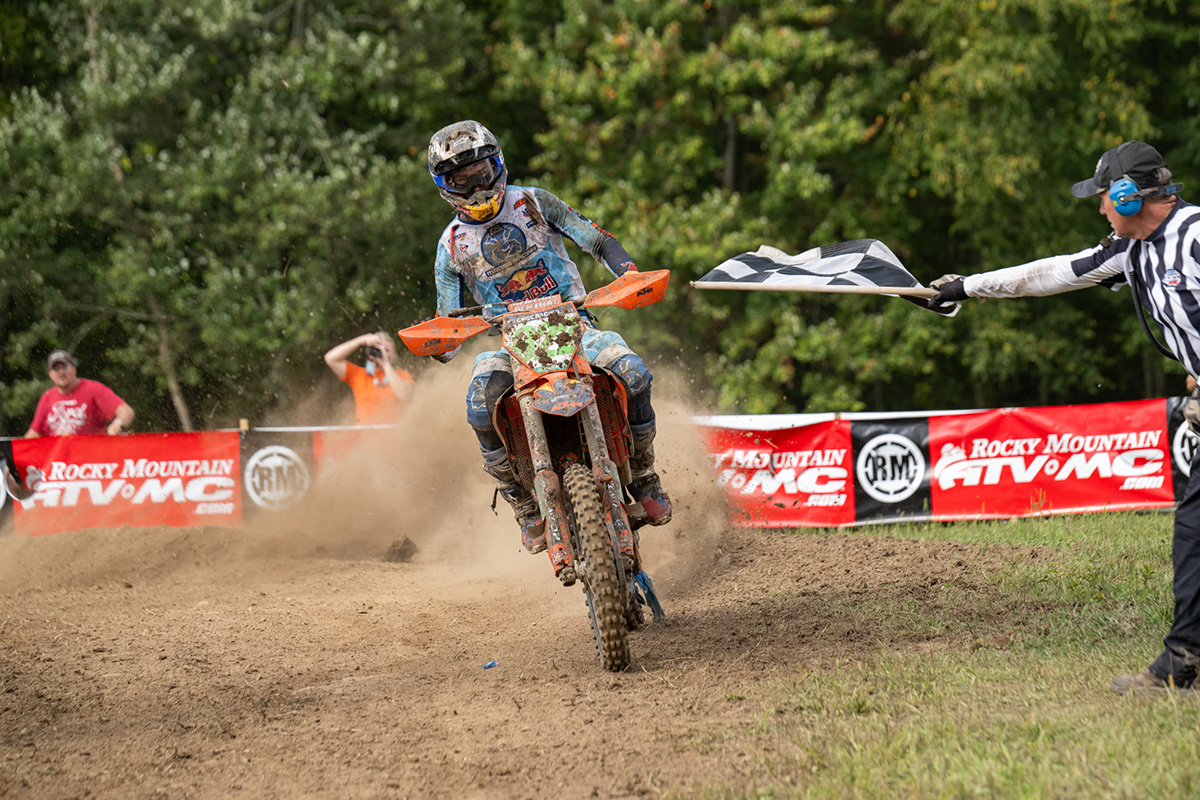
point(1191, 410)
point(950, 293)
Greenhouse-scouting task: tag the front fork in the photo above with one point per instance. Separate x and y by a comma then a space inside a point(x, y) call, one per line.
point(609, 480)
point(548, 488)
point(549, 491)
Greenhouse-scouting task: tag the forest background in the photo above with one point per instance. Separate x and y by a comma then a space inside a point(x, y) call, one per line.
point(199, 197)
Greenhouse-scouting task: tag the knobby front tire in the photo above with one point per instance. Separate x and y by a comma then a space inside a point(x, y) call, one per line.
point(601, 583)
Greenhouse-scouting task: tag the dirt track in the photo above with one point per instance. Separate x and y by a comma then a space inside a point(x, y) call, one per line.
point(292, 660)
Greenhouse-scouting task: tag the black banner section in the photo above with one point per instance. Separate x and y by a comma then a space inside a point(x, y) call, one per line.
point(891, 469)
point(1183, 444)
point(277, 468)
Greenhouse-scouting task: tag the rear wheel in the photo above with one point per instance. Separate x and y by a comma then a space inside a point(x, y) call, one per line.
point(595, 556)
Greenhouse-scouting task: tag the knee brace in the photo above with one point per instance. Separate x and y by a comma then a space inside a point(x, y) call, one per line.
point(484, 391)
point(635, 375)
point(643, 432)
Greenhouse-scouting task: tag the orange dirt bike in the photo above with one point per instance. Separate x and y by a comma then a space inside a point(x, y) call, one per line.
point(566, 428)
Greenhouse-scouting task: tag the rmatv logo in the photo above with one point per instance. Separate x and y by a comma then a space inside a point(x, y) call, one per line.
point(1183, 447)
point(890, 468)
point(206, 482)
point(276, 477)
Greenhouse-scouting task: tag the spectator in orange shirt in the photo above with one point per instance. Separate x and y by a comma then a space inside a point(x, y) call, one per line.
point(381, 390)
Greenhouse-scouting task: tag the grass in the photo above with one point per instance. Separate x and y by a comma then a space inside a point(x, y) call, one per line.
point(1031, 718)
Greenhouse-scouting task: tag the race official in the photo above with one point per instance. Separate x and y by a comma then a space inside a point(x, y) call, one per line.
point(1155, 249)
point(75, 405)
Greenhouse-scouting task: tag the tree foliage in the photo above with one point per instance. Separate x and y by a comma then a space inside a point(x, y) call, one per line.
point(209, 196)
point(200, 198)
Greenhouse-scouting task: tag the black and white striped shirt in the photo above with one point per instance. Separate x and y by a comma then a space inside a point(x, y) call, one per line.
point(1166, 266)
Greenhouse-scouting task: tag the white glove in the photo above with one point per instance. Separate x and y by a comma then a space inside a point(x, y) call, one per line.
point(1191, 410)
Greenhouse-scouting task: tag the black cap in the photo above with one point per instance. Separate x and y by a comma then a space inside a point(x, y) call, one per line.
point(57, 356)
point(1138, 160)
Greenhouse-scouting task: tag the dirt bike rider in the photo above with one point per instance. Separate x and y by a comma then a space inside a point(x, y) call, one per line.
point(505, 244)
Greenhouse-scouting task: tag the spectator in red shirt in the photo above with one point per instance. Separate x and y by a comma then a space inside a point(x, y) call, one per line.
point(381, 389)
point(75, 405)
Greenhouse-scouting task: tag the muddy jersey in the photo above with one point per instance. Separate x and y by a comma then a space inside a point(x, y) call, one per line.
point(519, 253)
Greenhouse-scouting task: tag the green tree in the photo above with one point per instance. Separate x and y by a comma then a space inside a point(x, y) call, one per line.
point(211, 195)
point(199, 198)
point(950, 132)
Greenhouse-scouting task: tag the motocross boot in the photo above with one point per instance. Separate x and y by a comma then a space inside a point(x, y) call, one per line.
point(525, 506)
point(646, 487)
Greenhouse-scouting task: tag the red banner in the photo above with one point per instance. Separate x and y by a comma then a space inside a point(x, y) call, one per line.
point(1033, 461)
point(790, 477)
point(994, 464)
point(176, 479)
point(801, 470)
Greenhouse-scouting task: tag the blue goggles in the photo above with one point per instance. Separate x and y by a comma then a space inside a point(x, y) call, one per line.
point(466, 180)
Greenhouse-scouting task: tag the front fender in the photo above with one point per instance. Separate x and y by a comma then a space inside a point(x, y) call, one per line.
point(563, 396)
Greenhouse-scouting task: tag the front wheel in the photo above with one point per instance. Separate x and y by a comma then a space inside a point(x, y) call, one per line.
point(595, 557)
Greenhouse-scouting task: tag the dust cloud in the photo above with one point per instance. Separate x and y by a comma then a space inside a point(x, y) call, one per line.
point(423, 481)
point(689, 545)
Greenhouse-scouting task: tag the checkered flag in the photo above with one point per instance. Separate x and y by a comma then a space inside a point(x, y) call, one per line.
point(860, 266)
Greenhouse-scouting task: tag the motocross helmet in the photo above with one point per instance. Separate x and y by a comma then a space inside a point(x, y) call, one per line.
point(468, 168)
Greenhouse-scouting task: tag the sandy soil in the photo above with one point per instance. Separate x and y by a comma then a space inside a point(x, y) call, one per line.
point(292, 659)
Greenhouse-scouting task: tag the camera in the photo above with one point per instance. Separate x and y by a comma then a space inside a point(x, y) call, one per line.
point(374, 352)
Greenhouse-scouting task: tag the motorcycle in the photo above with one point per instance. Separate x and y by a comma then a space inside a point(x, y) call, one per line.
point(565, 426)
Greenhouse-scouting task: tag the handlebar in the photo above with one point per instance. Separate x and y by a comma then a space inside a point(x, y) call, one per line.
point(440, 335)
point(472, 310)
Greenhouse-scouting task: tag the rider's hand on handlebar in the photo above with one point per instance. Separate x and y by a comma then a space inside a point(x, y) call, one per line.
point(445, 357)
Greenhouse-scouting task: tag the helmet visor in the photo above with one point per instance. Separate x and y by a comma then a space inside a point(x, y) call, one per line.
point(469, 179)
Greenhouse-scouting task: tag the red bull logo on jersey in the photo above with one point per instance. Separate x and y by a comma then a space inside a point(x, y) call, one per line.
point(528, 284)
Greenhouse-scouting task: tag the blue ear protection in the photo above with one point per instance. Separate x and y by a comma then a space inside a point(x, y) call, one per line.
point(1123, 194)
point(1124, 197)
